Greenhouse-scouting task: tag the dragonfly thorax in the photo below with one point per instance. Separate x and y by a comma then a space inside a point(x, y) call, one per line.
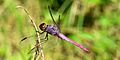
point(52, 29)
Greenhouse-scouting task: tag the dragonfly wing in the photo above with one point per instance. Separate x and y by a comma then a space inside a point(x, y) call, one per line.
point(52, 15)
point(59, 21)
point(26, 38)
point(58, 25)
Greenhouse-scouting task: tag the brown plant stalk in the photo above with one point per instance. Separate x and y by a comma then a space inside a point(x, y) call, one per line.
point(38, 45)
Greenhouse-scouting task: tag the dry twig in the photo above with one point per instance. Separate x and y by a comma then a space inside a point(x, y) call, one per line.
point(38, 45)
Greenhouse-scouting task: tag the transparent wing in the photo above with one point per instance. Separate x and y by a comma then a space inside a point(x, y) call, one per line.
point(53, 17)
point(59, 21)
point(25, 38)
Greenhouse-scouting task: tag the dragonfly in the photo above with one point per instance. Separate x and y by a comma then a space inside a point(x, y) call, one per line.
point(54, 30)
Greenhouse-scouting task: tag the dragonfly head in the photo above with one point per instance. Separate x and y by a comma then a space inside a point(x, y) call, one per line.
point(43, 26)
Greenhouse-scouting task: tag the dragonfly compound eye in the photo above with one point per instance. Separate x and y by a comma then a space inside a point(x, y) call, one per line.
point(42, 26)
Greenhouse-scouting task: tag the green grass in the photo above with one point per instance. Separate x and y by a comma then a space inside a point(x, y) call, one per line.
point(102, 38)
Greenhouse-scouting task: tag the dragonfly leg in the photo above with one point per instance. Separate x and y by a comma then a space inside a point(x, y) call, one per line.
point(45, 39)
point(40, 32)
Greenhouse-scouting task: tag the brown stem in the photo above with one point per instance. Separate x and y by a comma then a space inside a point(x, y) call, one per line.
point(37, 33)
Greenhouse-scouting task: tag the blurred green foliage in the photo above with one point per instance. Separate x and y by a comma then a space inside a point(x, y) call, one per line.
point(93, 23)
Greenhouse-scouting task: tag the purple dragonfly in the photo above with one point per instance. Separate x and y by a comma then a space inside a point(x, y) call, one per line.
point(55, 31)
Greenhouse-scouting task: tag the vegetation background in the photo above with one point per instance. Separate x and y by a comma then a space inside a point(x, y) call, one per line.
point(93, 23)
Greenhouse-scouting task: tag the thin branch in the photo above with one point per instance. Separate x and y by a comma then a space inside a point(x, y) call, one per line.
point(37, 34)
